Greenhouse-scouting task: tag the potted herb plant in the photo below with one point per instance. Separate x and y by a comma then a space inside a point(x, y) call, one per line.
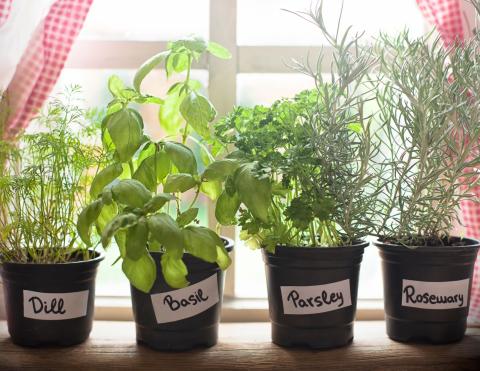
point(174, 265)
point(429, 105)
point(48, 274)
point(304, 193)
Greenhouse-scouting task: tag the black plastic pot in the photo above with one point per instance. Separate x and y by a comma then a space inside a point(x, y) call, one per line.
point(420, 285)
point(164, 322)
point(50, 304)
point(320, 320)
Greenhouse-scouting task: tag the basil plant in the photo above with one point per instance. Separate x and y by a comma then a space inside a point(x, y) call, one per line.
point(138, 196)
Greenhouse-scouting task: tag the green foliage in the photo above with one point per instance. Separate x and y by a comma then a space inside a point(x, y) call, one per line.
point(306, 177)
point(45, 186)
point(137, 196)
point(428, 100)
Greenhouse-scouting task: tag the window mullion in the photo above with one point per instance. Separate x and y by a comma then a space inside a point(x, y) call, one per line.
point(222, 90)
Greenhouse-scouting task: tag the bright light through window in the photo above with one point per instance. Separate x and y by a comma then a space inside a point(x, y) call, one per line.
point(146, 20)
point(266, 22)
point(259, 22)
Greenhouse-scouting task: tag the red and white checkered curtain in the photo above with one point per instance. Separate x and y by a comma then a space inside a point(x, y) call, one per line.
point(5, 7)
point(449, 18)
point(42, 61)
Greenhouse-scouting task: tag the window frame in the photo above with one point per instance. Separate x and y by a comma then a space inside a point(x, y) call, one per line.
point(222, 90)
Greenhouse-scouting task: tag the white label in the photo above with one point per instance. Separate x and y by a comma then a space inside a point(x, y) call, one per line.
point(435, 295)
point(54, 306)
point(316, 299)
point(188, 302)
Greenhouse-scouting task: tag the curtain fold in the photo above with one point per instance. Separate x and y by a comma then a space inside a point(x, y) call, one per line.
point(42, 61)
point(5, 7)
point(451, 18)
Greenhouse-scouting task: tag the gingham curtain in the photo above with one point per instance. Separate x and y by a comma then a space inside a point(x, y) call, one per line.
point(5, 7)
point(449, 19)
point(42, 61)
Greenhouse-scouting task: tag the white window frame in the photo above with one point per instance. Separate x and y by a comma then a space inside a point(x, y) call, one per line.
point(222, 90)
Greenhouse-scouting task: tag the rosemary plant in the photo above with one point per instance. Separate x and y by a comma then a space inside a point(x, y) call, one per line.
point(45, 186)
point(313, 151)
point(429, 103)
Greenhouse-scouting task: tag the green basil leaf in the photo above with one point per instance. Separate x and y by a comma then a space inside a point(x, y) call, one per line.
point(107, 213)
point(129, 94)
point(141, 272)
point(175, 88)
point(205, 155)
point(136, 239)
point(153, 170)
point(220, 170)
point(125, 131)
point(87, 217)
point(201, 242)
point(187, 217)
point(121, 221)
point(154, 245)
point(230, 186)
point(148, 149)
point(157, 202)
point(147, 67)
point(182, 157)
point(223, 258)
point(166, 231)
point(120, 239)
point(218, 51)
point(139, 117)
point(179, 62)
point(193, 43)
point(169, 115)
point(107, 195)
point(174, 271)
point(179, 183)
point(115, 85)
point(226, 208)
point(198, 112)
point(131, 192)
point(105, 177)
point(149, 99)
point(107, 139)
point(253, 192)
point(212, 189)
point(114, 107)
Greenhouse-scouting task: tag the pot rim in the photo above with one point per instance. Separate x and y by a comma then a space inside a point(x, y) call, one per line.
point(472, 243)
point(100, 255)
point(358, 244)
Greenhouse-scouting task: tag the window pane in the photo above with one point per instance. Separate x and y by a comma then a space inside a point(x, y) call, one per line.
point(250, 283)
point(146, 19)
point(265, 23)
point(111, 281)
point(265, 88)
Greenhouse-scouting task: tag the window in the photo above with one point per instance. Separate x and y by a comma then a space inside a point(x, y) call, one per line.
point(119, 35)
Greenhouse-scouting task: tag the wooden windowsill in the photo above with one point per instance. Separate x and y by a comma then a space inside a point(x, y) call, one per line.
point(242, 346)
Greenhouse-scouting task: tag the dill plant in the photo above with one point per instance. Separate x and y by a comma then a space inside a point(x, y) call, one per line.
point(45, 185)
point(313, 150)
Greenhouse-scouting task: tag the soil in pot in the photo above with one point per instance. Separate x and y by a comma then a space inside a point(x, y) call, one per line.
point(312, 294)
point(182, 319)
point(427, 290)
point(50, 304)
